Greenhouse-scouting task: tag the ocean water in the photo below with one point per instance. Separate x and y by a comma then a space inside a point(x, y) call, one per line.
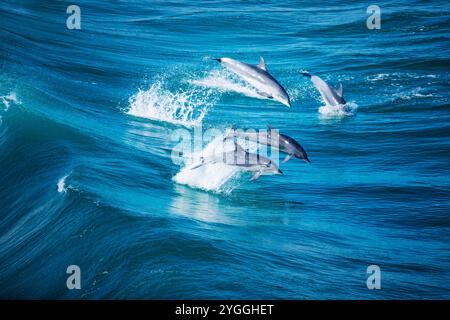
point(90, 118)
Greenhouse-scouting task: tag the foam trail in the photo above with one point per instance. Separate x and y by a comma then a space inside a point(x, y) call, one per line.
point(348, 109)
point(225, 82)
point(216, 177)
point(186, 108)
point(6, 101)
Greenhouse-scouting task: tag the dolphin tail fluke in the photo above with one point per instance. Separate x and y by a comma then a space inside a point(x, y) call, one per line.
point(306, 74)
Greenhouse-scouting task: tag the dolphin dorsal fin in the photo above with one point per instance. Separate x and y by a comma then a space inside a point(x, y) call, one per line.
point(340, 90)
point(262, 64)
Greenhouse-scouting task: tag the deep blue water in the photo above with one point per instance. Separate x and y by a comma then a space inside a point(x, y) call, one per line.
point(87, 177)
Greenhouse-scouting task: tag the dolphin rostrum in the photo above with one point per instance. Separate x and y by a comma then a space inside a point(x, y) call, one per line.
point(258, 77)
point(241, 158)
point(274, 139)
point(331, 96)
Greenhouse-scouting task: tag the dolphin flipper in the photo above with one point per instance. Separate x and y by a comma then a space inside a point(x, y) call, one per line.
point(288, 157)
point(256, 176)
point(266, 95)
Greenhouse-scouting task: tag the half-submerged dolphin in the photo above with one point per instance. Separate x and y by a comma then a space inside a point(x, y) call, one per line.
point(258, 77)
point(241, 158)
point(331, 96)
point(275, 139)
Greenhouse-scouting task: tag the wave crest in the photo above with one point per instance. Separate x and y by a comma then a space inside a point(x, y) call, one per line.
point(348, 109)
point(184, 107)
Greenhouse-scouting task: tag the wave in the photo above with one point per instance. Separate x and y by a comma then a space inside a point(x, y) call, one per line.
point(348, 109)
point(184, 107)
point(61, 185)
point(216, 177)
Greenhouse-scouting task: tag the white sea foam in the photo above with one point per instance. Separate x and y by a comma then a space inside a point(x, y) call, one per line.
point(61, 185)
point(6, 101)
point(184, 107)
point(215, 177)
point(224, 81)
point(348, 109)
point(397, 76)
point(412, 94)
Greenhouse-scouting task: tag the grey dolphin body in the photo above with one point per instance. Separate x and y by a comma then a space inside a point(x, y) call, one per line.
point(275, 139)
point(240, 158)
point(258, 77)
point(330, 96)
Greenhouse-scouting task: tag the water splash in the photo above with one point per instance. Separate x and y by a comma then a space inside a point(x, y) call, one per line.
point(215, 177)
point(184, 107)
point(225, 82)
point(6, 100)
point(341, 110)
point(61, 185)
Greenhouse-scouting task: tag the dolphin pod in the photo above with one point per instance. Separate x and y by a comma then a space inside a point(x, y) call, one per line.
point(267, 86)
point(273, 138)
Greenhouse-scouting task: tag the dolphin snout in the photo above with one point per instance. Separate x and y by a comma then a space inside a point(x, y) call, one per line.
point(280, 172)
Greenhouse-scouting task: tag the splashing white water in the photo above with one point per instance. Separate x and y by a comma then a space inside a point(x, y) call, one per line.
point(342, 110)
point(6, 100)
point(224, 81)
point(62, 184)
point(186, 108)
point(215, 177)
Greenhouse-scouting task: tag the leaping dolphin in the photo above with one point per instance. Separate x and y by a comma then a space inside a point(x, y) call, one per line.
point(241, 158)
point(331, 96)
point(274, 139)
point(258, 77)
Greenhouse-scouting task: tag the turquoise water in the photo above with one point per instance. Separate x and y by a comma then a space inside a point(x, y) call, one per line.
point(87, 175)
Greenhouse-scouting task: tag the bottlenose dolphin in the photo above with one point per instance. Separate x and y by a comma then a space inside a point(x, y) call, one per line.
point(331, 96)
point(258, 77)
point(274, 139)
point(241, 158)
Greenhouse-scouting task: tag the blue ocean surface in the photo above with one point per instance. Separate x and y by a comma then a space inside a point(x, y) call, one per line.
point(90, 119)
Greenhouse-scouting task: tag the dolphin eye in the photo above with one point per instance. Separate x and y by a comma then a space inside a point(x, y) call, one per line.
point(269, 163)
